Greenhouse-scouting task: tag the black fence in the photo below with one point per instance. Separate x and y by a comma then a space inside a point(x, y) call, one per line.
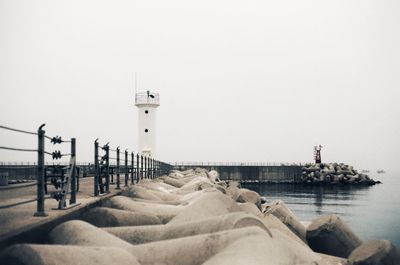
point(133, 168)
point(64, 183)
point(108, 164)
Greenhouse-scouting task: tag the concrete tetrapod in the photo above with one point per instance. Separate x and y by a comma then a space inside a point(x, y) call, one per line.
point(213, 175)
point(151, 233)
point(200, 183)
point(272, 221)
point(279, 209)
point(187, 250)
point(208, 205)
point(279, 250)
point(183, 199)
point(173, 182)
point(375, 252)
point(137, 191)
point(84, 234)
point(332, 259)
point(106, 217)
point(176, 197)
point(248, 207)
point(246, 195)
point(162, 211)
point(176, 174)
point(330, 235)
point(157, 185)
point(194, 250)
point(29, 254)
point(158, 202)
point(144, 192)
point(233, 190)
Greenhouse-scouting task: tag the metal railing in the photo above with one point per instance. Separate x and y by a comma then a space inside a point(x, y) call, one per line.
point(136, 167)
point(64, 184)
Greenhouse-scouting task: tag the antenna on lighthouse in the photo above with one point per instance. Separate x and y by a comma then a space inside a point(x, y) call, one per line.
point(135, 83)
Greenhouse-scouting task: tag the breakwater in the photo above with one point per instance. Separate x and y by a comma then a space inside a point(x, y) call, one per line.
point(334, 173)
point(192, 217)
point(254, 173)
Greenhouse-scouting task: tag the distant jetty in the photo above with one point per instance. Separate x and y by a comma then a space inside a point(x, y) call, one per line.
point(334, 173)
point(307, 173)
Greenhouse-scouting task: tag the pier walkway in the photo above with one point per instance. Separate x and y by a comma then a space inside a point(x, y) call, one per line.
point(18, 205)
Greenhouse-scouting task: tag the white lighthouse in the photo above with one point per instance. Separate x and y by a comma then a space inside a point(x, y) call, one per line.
point(147, 103)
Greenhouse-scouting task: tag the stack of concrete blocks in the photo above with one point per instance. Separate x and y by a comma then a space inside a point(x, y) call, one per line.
point(192, 217)
point(334, 173)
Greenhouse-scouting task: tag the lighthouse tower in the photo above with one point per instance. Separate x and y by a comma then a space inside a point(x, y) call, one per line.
point(147, 103)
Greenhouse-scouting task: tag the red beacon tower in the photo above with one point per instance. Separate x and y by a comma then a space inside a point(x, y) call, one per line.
point(317, 154)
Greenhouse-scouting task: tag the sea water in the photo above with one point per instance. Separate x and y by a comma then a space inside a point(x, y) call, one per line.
point(372, 212)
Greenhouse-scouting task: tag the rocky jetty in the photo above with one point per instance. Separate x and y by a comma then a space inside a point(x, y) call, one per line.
point(334, 173)
point(190, 218)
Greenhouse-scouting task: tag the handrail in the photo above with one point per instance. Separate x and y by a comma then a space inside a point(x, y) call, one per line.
point(138, 167)
point(40, 167)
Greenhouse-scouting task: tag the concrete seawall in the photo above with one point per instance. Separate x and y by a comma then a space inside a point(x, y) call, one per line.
point(267, 174)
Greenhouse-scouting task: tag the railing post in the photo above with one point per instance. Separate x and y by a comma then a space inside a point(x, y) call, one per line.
point(118, 180)
point(158, 168)
point(96, 168)
point(151, 168)
point(73, 175)
point(133, 167)
point(154, 168)
point(40, 174)
point(145, 167)
point(141, 167)
point(126, 168)
point(137, 168)
point(107, 149)
point(148, 168)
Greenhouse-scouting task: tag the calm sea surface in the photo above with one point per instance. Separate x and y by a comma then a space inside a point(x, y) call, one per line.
point(372, 212)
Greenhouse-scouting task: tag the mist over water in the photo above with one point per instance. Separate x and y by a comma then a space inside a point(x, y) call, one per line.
point(372, 212)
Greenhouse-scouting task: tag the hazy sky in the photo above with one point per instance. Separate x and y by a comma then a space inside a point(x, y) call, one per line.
point(239, 80)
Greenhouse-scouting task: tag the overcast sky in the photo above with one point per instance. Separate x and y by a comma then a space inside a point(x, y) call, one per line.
point(239, 81)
